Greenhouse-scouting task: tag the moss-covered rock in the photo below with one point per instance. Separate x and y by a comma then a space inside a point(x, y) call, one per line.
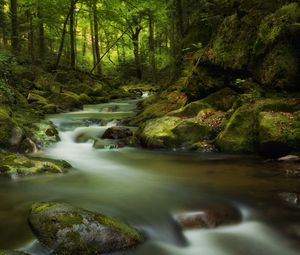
point(157, 133)
point(44, 133)
point(159, 105)
point(279, 133)
point(174, 132)
point(15, 166)
point(7, 125)
point(66, 100)
point(37, 100)
point(240, 132)
point(69, 230)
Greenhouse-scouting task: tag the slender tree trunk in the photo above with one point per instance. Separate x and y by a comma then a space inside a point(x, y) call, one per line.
point(72, 35)
point(136, 51)
point(92, 35)
point(152, 47)
point(63, 36)
point(123, 51)
point(41, 31)
point(84, 34)
point(96, 37)
point(14, 26)
point(30, 35)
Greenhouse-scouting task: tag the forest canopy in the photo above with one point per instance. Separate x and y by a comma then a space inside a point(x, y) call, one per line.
point(134, 38)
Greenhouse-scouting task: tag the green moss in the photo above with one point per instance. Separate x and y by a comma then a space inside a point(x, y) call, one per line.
point(7, 124)
point(14, 165)
point(279, 69)
point(157, 133)
point(275, 26)
point(239, 134)
point(158, 106)
point(280, 127)
point(124, 228)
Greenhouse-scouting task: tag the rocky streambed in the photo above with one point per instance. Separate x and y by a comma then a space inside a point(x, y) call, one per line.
point(156, 202)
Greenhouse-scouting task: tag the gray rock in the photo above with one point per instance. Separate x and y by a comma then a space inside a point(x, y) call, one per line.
point(208, 218)
point(70, 230)
point(117, 133)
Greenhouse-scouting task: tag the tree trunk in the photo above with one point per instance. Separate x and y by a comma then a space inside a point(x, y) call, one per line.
point(135, 42)
point(63, 36)
point(41, 31)
point(92, 35)
point(30, 35)
point(72, 35)
point(152, 47)
point(123, 51)
point(84, 33)
point(14, 26)
point(96, 38)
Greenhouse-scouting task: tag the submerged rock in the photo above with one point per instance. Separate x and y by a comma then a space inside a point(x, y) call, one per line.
point(9, 252)
point(208, 218)
point(69, 230)
point(290, 198)
point(15, 166)
point(117, 133)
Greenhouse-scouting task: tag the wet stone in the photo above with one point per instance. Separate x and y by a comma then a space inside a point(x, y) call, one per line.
point(208, 218)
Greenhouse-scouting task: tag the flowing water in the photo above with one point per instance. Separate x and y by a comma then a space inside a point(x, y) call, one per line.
point(144, 188)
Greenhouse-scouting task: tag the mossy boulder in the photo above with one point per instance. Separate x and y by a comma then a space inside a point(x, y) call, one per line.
point(16, 166)
point(159, 105)
point(174, 132)
point(66, 100)
point(157, 133)
point(44, 133)
point(239, 133)
point(37, 100)
point(69, 230)
point(7, 125)
point(9, 252)
point(279, 133)
point(221, 100)
point(275, 26)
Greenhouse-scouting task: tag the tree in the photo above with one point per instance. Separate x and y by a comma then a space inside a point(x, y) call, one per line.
point(14, 26)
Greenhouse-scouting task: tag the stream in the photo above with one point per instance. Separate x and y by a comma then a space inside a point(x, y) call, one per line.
point(144, 188)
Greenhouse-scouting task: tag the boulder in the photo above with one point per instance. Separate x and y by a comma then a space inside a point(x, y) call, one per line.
point(290, 198)
point(279, 133)
point(117, 133)
point(7, 127)
point(157, 133)
point(239, 133)
point(65, 101)
point(208, 218)
point(69, 230)
point(16, 166)
point(158, 106)
point(44, 133)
